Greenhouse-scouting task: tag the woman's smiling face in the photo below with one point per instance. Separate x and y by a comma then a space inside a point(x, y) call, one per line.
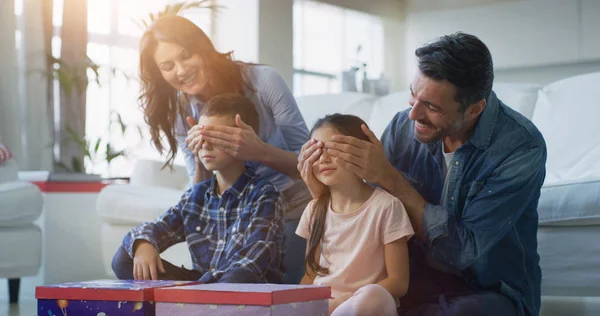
point(183, 70)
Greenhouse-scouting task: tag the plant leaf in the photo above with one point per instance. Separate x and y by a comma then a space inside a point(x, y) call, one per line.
point(75, 137)
point(63, 166)
point(97, 146)
point(76, 164)
point(121, 123)
point(110, 154)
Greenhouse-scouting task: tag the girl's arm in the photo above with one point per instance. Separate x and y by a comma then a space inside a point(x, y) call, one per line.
point(396, 264)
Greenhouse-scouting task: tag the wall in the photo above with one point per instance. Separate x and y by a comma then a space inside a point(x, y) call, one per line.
point(436, 5)
point(533, 40)
point(262, 31)
point(546, 74)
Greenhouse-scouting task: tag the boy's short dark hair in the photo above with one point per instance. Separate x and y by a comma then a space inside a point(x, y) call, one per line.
point(230, 104)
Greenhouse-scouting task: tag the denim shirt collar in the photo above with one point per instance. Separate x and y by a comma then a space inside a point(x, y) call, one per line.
point(484, 128)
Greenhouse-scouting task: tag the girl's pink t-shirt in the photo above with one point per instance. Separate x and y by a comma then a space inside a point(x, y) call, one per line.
point(352, 247)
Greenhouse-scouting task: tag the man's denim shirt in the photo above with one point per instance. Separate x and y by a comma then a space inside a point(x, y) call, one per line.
point(487, 230)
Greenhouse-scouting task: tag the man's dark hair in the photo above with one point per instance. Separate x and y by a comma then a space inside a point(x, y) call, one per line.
point(230, 104)
point(463, 60)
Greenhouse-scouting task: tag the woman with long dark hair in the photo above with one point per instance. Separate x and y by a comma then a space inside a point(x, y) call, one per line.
point(181, 70)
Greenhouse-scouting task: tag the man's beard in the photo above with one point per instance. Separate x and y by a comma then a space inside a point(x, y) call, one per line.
point(438, 133)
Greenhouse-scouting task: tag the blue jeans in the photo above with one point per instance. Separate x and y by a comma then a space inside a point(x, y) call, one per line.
point(122, 265)
point(293, 260)
point(448, 295)
point(486, 303)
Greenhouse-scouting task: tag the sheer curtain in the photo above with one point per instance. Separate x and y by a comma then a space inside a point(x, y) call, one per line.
point(23, 114)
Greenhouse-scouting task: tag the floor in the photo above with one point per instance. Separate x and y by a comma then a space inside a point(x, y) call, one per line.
point(26, 307)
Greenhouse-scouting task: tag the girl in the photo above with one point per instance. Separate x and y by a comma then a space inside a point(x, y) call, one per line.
point(357, 235)
point(181, 70)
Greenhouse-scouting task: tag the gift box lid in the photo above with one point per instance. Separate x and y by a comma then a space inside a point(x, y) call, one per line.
point(105, 290)
point(242, 294)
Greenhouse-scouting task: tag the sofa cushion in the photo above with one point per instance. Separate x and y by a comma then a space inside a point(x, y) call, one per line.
point(385, 108)
point(570, 203)
point(21, 253)
point(314, 107)
point(20, 203)
point(520, 97)
point(152, 173)
point(134, 204)
point(566, 113)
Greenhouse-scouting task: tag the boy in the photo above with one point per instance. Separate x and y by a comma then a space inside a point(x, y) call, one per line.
point(233, 222)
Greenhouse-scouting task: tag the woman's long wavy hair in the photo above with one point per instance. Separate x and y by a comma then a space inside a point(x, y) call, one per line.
point(162, 104)
point(349, 125)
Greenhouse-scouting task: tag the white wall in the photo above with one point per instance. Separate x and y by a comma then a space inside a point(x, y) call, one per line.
point(534, 40)
point(545, 74)
point(262, 31)
point(276, 36)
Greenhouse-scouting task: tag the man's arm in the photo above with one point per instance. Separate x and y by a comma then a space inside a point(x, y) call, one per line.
point(491, 212)
point(263, 239)
point(488, 216)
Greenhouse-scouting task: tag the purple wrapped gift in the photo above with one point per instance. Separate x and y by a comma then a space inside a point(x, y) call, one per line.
point(243, 299)
point(100, 297)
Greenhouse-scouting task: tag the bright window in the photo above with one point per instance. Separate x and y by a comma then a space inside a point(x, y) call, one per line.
point(114, 30)
point(326, 41)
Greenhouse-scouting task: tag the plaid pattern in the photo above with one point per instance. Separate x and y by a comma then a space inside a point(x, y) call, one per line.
point(242, 229)
point(5, 154)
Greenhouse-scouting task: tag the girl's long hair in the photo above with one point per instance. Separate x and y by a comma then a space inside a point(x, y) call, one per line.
point(349, 125)
point(162, 104)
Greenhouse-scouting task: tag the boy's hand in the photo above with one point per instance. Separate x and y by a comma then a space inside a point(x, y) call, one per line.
point(146, 261)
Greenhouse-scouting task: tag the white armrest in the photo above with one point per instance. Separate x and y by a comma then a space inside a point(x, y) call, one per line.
point(9, 171)
point(148, 172)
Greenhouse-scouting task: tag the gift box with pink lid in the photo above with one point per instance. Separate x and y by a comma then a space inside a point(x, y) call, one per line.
point(243, 299)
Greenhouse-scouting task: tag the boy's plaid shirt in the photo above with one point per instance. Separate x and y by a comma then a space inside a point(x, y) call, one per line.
point(243, 228)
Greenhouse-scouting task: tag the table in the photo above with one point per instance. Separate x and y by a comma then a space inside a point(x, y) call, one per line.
point(71, 231)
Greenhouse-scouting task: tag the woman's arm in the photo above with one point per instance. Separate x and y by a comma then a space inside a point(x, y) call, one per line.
point(275, 93)
point(281, 160)
point(396, 264)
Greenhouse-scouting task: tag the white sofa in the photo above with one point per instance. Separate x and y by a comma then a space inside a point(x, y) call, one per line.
point(565, 111)
point(20, 240)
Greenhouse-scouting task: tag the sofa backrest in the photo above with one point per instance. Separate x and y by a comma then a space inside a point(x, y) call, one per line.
point(384, 110)
point(566, 113)
point(314, 107)
point(520, 97)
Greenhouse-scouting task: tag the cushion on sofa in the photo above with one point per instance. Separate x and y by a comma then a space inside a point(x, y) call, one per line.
point(570, 203)
point(20, 203)
point(22, 258)
point(567, 113)
point(384, 110)
point(314, 107)
point(134, 204)
point(520, 97)
point(152, 173)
